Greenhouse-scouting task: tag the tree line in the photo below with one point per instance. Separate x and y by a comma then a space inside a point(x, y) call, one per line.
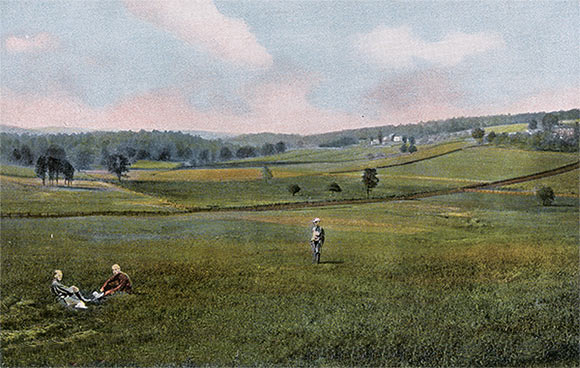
point(85, 150)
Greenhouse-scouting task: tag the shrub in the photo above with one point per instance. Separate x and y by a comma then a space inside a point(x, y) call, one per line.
point(545, 195)
point(334, 187)
point(293, 188)
point(412, 148)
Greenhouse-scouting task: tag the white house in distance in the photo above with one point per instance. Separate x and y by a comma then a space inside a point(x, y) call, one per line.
point(395, 138)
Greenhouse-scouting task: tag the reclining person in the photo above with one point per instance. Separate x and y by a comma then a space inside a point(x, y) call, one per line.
point(120, 281)
point(69, 296)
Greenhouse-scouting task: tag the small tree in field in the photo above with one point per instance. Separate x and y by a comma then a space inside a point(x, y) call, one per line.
point(293, 189)
point(267, 173)
point(545, 195)
point(412, 148)
point(118, 164)
point(370, 180)
point(403, 148)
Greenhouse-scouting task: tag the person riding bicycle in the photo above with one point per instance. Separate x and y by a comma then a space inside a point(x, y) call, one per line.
point(317, 240)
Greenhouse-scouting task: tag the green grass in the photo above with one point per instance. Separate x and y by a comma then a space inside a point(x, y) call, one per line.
point(468, 280)
point(158, 165)
point(28, 196)
point(17, 171)
point(567, 183)
point(484, 164)
point(510, 128)
point(28, 172)
point(258, 192)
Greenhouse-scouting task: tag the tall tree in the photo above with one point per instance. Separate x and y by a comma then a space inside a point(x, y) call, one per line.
point(68, 171)
point(118, 164)
point(54, 169)
point(41, 168)
point(370, 180)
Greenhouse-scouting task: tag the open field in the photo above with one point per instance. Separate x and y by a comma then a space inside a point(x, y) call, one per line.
point(465, 280)
point(235, 193)
point(29, 196)
point(159, 165)
point(468, 279)
point(485, 164)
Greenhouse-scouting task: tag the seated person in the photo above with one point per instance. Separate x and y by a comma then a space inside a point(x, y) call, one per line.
point(69, 296)
point(120, 281)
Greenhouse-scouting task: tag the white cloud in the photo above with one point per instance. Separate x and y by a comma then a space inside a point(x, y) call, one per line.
point(201, 24)
point(31, 44)
point(399, 47)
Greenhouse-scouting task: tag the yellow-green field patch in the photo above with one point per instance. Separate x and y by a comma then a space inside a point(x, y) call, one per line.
point(198, 175)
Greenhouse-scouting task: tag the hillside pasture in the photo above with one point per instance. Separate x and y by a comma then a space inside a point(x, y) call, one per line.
point(463, 280)
point(484, 164)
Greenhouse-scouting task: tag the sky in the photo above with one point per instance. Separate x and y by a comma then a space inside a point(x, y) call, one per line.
point(301, 67)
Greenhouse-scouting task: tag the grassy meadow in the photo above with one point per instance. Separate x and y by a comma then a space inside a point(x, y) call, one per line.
point(469, 279)
point(437, 282)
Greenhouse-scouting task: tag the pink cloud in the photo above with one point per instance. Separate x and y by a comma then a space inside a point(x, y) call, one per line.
point(280, 105)
point(412, 97)
point(31, 44)
point(201, 24)
point(554, 100)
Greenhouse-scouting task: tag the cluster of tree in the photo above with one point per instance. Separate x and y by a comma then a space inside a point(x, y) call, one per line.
point(332, 187)
point(54, 163)
point(411, 148)
point(87, 149)
point(340, 142)
point(538, 141)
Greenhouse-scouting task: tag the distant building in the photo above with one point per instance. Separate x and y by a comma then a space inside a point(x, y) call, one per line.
point(396, 138)
point(564, 132)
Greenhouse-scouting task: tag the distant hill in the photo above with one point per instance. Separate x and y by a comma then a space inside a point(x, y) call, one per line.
point(209, 135)
point(418, 130)
point(258, 139)
point(41, 131)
